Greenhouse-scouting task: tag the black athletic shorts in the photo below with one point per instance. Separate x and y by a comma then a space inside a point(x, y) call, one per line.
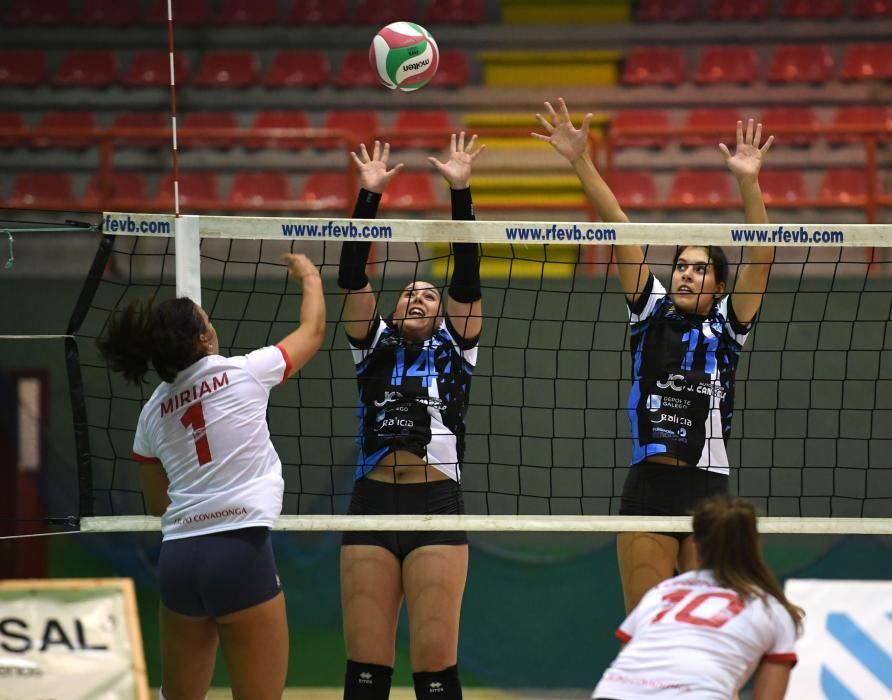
point(372, 497)
point(664, 489)
point(219, 573)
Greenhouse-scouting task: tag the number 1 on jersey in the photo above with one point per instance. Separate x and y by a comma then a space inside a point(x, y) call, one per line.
point(193, 418)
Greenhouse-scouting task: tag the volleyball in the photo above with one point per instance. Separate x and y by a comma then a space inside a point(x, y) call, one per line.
point(404, 56)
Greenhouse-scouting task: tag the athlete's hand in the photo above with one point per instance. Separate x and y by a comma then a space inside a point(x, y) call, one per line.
point(300, 266)
point(747, 159)
point(373, 173)
point(566, 139)
point(457, 170)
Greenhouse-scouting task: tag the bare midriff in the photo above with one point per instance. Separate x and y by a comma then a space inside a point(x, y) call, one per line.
point(405, 468)
point(668, 459)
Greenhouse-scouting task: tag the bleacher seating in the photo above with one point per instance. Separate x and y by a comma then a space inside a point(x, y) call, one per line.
point(453, 71)
point(811, 9)
point(794, 117)
point(727, 64)
point(409, 190)
point(655, 66)
point(453, 12)
point(235, 13)
point(800, 63)
point(188, 13)
point(65, 119)
point(327, 190)
point(297, 68)
point(700, 187)
point(783, 186)
point(666, 10)
point(871, 61)
point(355, 71)
point(227, 68)
point(317, 12)
point(410, 125)
point(197, 190)
point(127, 189)
point(142, 120)
point(260, 189)
point(93, 68)
point(866, 9)
point(736, 11)
point(10, 120)
point(34, 190)
point(279, 119)
point(705, 118)
point(152, 69)
point(639, 119)
point(381, 12)
point(208, 121)
point(362, 125)
point(844, 186)
point(634, 187)
point(858, 116)
point(43, 12)
point(25, 67)
point(109, 13)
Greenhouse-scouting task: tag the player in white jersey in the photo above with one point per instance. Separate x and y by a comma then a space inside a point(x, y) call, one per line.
point(702, 634)
point(209, 468)
point(414, 371)
point(685, 343)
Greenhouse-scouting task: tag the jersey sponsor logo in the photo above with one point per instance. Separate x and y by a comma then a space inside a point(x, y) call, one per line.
point(194, 393)
point(394, 396)
point(670, 383)
point(678, 383)
point(213, 515)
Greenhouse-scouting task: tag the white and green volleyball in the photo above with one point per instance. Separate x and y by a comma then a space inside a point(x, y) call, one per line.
point(404, 56)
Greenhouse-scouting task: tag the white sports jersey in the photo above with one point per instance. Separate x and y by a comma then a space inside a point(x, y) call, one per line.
point(690, 638)
point(208, 429)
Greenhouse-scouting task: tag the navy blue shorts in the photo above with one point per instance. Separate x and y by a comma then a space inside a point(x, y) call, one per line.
point(372, 497)
point(219, 573)
point(664, 489)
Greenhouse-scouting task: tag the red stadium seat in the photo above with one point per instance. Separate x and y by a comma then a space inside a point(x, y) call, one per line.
point(783, 187)
point(811, 9)
point(869, 116)
point(709, 118)
point(152, 69)
point(736, 11)
point(260, 189)
point(221, 68)
point(800, 63)
point(128, 190)
point(867, 62)
point(872, 8)
point(356, 71)
point(844, 186)
point(186, 13)
point(33, 190)
point(633, 187)
point(666, 10)
point(453, 12)
point(791, 118)
point(639, 119)
point(414, 120)
point(702, 187)
point(327, 190)
point(296, 68)
point(142, 120)
point(412, 190)
point(22, 67)
point(87, 68)
point(109, 12)
point(453, 70)
point(44, 12)
point(381, 12)
point(11, 120)
point(361, 125)
point(197, 190)
point(318, 12)
point(246, 12)
point(293, 119)
point(655, 66)
point(65, 119)
point(727, 64)
point(209, 121)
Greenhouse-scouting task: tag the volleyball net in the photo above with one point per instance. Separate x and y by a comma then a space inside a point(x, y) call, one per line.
point(548, 441)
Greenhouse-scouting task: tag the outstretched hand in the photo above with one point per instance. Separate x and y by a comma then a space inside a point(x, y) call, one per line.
point(299, 265)
point(566, 139)
point(747, 158)
point(457, 170)
point(373, 173)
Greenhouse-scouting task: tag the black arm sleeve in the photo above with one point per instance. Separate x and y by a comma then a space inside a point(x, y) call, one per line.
point(465, 284)
point(355, 254)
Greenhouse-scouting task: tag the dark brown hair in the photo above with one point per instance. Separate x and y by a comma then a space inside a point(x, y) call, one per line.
point(166, 334)
point(728, 544)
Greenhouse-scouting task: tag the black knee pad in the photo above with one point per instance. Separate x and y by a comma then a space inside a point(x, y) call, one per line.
point(437, 685)
point(367, 681)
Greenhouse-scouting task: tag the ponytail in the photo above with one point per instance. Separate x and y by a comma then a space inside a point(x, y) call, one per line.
point(166, 335)
point(728, 544)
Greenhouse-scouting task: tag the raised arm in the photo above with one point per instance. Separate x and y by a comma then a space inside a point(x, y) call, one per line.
point(359, 300)
point(302, 344)
point(745, 164)
point(572, 143)
point(464, 304)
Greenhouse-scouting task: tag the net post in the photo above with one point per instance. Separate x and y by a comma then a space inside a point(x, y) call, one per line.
point(187, 246)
